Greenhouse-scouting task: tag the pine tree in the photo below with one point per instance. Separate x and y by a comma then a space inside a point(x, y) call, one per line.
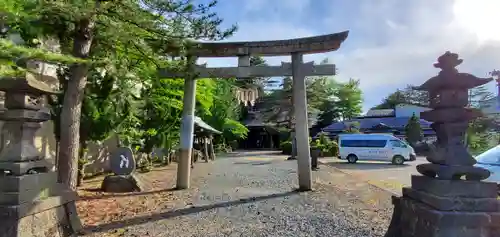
point(413, 130)
point(95, 31)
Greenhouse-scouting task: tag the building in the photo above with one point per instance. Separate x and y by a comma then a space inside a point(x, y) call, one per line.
point(264, 133)
point(384, 121)
point(491, 107)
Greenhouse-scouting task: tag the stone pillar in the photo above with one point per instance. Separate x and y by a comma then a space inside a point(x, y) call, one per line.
point(32, 202)
point(449, 199)
point(244, 61)
point(187, 131)
point(301, 124)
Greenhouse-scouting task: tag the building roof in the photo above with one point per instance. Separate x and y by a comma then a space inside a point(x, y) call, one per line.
point(380, 112)
point(368, 123)
point(201, 124)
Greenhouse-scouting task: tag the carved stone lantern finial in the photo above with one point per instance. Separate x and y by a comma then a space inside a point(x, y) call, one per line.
point(448, 93)
point(449, 199)
point(448, 61)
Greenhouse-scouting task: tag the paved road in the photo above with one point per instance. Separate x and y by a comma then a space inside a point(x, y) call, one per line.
point(382, 174)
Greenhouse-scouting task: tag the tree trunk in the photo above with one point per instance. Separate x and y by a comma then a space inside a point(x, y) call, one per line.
point(72, 106)
point(82, 161)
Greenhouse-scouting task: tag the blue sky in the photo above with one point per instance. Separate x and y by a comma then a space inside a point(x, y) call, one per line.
point(391, 43)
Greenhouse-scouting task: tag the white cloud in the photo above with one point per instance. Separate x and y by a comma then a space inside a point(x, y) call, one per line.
point(408, 52)
point(391, 42)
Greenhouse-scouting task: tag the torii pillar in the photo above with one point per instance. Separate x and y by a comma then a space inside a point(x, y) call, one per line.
point(301, 123)
point(187, 129)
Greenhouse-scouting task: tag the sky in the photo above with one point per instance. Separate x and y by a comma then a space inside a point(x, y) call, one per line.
point(391, 43)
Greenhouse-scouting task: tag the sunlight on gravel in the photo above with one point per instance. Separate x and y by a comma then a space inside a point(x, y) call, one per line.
point(239, 197)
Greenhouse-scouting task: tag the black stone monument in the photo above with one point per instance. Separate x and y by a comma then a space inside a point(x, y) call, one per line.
point(124, 180)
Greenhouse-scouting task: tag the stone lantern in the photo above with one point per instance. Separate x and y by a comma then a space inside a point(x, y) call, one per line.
point(449, 198)
point(32, 202)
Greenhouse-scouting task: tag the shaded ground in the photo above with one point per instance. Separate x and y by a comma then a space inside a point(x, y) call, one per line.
point(247, 195)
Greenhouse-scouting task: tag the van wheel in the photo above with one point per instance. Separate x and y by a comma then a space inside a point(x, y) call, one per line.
point(398, 160)
point(352, 158)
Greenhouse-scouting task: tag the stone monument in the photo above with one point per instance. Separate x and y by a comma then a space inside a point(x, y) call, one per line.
point(449, 199)
point(32, 202)
point(123, 166)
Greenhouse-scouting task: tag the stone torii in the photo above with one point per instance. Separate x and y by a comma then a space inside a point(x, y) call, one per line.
point(243, 50)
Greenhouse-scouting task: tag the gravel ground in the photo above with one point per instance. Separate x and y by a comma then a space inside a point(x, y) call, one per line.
point(242, 197)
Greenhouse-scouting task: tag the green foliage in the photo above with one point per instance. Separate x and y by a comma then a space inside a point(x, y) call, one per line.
point(117, 47)
point(334, 100)
point(286, 147)
point(353, 128)
point(284, 133)
point(13, 58)
point(349, 99)
point(225, 111)
point(413, 130)
point(407, 95)
point(327, 147)
point(482, 134)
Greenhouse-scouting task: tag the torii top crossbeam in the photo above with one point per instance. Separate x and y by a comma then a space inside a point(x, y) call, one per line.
point(306, 45)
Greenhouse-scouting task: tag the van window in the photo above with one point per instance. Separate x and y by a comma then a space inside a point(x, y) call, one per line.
point(397, 143)
point(363, 143)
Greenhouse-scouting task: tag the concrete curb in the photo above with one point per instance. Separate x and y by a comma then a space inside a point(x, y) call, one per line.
point(375, 184)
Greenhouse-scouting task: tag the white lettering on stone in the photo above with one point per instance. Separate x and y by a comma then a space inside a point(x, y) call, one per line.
point(124, 161)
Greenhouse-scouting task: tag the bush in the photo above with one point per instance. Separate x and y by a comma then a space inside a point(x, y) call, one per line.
point(286, 147)
point(327, 147)
point(223, 148)
point(284, 134)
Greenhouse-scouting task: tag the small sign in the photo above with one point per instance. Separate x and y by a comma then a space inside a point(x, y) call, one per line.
point(122, 161)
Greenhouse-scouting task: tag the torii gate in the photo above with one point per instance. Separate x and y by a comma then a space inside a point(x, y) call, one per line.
point(243, 50)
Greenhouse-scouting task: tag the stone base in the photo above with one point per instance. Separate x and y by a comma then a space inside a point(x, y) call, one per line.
point(122, 184)
point(448, 172)
point(36, 205)
point(446, 208)
point(51, 223)
point(51, 217)
point(418, 219)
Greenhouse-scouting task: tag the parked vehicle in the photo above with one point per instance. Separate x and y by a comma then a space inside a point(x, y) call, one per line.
point(490, 160)
point(374, 147)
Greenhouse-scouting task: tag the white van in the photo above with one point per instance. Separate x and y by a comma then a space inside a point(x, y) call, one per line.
point(375, 147)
